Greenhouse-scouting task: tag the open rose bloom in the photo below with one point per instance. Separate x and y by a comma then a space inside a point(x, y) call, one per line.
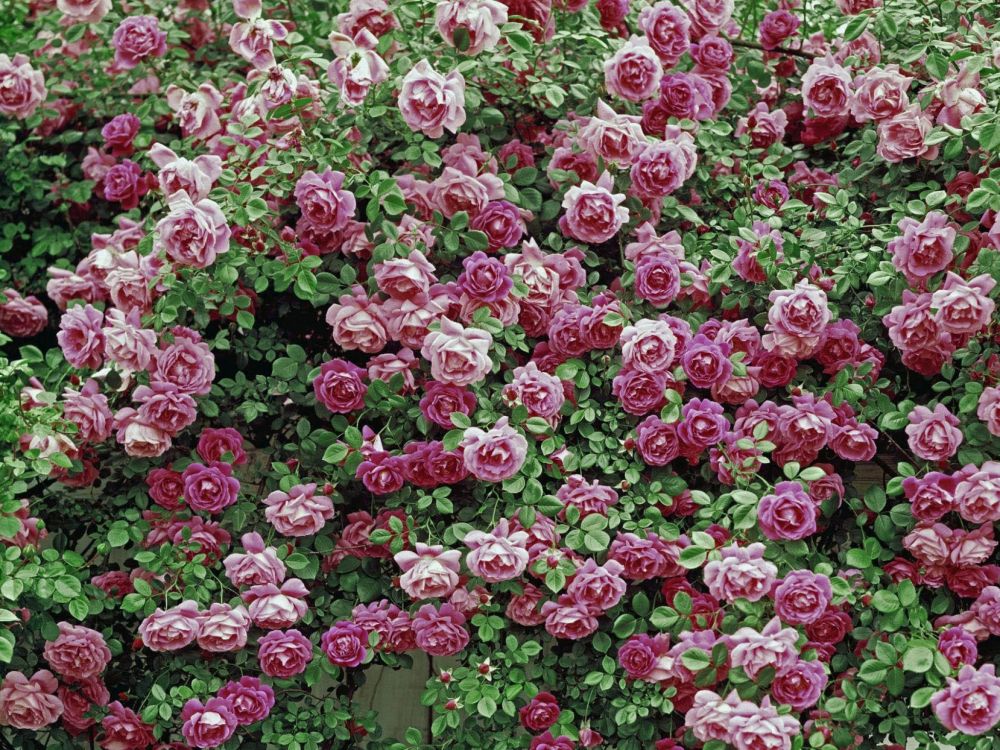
point(545, 374)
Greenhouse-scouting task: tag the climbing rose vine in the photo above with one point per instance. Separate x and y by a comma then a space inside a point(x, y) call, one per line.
point(631, 368)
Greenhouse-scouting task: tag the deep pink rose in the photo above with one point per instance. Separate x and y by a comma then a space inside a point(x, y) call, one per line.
point(933, 435)
point(345, 644)
point(29, 702)
point(284, 654)
point(340, 386)
point(593, 213)
point(249, 699)
point(211, 488)
point(440, 632)
point(137, 38)
point(78, 653)
point(208, 724)
point(789, 513)
point(802, 597)
point(540, 713)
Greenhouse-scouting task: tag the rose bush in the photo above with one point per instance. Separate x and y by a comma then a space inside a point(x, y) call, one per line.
point(543, 338)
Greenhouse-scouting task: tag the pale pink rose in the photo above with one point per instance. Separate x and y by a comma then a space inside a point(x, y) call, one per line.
point(988, 409)
point(385, 366)
point(88, 410)
point(273, 608)
point(192, 234)
point(797, 318)
point(498, 555)
point(223, 628)
point(258, 565)
point(440, 631)
point(163, 406)
point(710, 717)
point(172, 629)
point(29, 702)
point(358, 322)
point(649, 346)
point(298, 512)
point(78, 653)
point(542, 394)
point(615, 138)
point(479, 19)
point(964, 307)
point(284, 654)
point(21, 317)
point(600, 587)
point(197, 111)
point(753, 727)
point(569, 619)
point(195, 177)
point(126, 343)
point(458, 355)
point(458, 189)
point(633, 73)
point(141, 440)
point(742, 572)
point(494, 455)
point(84, 11)
point(880, 93)
point(933, 435)
point(429, 572)
point(208, 725)
point(903, 136)
point(356, 66)
point(254, 39)
point(960, 97)
point(593, 213)
point(80, 337)
point(773, 646)
point(22, 88)
point(405, 278)
point(826, 88)
point(977, 495)
point(431, 103)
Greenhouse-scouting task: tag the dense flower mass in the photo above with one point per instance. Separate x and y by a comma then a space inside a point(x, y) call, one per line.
point(632, 369)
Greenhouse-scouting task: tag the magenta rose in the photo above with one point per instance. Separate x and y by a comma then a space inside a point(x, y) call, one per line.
point(800, 685)
point(284, 654)
point(502, 224)
point(656, 441)
point(776, 27)
point(125, 183)
point(345, 644)
point(787, 514)
point(211, 488)
point(340, 386)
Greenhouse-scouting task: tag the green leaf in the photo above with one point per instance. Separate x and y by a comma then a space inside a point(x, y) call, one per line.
point(918, 659)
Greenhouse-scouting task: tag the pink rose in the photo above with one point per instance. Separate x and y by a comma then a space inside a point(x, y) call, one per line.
point(80, 337)
point(541, 712)
point(124, 730)
point(429, 572)
point(119, 133)
point(209, 724)
point(644, 657)
point(211, 488)
point(648, 346)
point(496, 454)
point(253, 40)
point(258, 565)
point(298, 512)
point(600, 587)
point(706, 362)
point(126, 342)
point(977, 494)
point(249, 699)
point(195, 177)
point(661, 168)
point(223, 628)
point(22, 88)
point(542, 394)
point(667, 29)
point(642, 558)
point(903, 136)
point(969, 704)
point(88, 410)
point(593, 213)
point(339, 386)
point(796, 319)
point(754, 651)
point(826, 88)
point(762, 726)
point(284, 654)
point(569, 619)
point(988, 409)
point(788, 514)
point(216, 442)
point(192, 234)
point(802, 597)
point(21, 317)
point(498, 555)
point(430, 102)
point(633, 73)
point(137, 38)
point(479, 19)
point(924, 248)
point(880, 93)
point(458, 355)
point(80, 700)
point(958, 646)
point(484, 279)
point(801, 685)
point(172, 629)
point(933, 435)
point(964, 307)
point(273, 608)
point(345, 644)
point(405, 278)
point(198, 111)
point(359, 323)
point(501, 222)
point(776, 27)
point(188, 363)
point(323, 201)
point(78, 653)
point(656, 441)
point(356, 66)
point(163, 406)
point(441, 400)
point(29, 703)
point(440, 632)
point(741, 572)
